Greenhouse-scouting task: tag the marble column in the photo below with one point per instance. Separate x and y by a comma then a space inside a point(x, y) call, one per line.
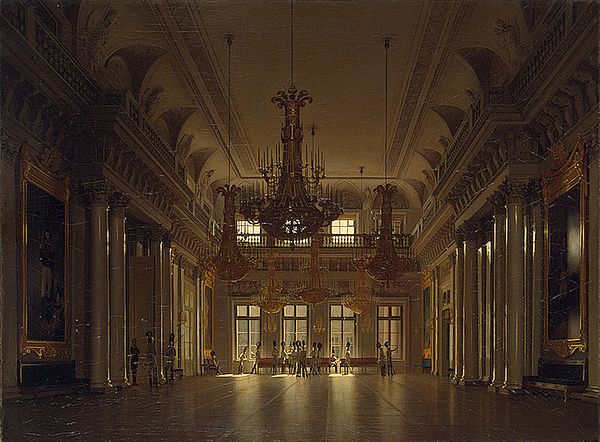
point(166, 292)
point(98, 194)
point(117, 350)
point(438, 323)
point(458, 306)
point(470, 321)
point(156, 235)
point(452, 335)
point(515, 292)
point(499, 250)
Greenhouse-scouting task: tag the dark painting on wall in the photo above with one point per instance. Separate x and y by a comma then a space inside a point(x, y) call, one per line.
point(45, 239)
point(564, 266)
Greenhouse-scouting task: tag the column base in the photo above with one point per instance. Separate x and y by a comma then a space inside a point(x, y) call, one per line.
point(494, 388)
point(591, 394)
point(471, 382)
point(97, 388)
point(511, 389)
point(11, 392)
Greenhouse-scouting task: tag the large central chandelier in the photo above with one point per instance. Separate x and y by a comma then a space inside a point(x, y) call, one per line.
point(313, 291)
point(271, 298)
point(386, 265)
point(293, 205)
point(229, 264)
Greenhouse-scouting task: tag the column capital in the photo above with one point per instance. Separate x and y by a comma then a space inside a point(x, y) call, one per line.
point(167, 238)
point(156, 232)
point(118, 204)
point(471, 230)
point(498, 203)
point(96, 192)
point(459, 235)
point(515, 190)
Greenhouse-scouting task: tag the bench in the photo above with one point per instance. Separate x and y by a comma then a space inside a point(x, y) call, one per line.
point(325, 363)
point(562, 376)
point(208, 366)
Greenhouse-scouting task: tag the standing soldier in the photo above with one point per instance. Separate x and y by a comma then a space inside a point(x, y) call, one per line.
point(151, 359)
point(388, 357)
point(275, 356)
point(170, 359)
point(134, 360)
point(256, 365)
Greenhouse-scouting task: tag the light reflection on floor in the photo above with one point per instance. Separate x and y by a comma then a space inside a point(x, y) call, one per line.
point(250, 407)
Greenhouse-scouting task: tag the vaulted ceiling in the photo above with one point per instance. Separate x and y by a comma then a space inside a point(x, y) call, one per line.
point(172, 57)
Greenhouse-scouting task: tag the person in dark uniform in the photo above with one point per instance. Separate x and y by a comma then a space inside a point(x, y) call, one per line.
point(170, 359)
point(134, 360)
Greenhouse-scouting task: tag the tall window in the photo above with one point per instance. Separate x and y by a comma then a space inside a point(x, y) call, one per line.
point(247, 328)
point(389, 328)
point(295, 323)
point(342, 326)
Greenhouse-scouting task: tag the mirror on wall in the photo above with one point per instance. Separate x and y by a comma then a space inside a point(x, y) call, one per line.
point(564, 191)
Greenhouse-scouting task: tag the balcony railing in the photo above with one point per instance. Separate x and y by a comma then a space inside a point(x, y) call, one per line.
point(329, 241)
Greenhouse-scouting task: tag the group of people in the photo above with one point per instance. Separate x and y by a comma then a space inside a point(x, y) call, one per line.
point(385, 358)
point(294, 358)
point(151, 361)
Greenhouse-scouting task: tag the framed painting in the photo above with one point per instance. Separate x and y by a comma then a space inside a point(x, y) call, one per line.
point(565, 297)
point(44, 327)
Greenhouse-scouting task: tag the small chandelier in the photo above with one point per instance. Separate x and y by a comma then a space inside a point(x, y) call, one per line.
point(293, 206)
point(366, 323)
point(361, 299)
point(229, 264)
point(319, 326)
point(271, 298)
point(386, 265)
point(314, 292)
point(270, 326)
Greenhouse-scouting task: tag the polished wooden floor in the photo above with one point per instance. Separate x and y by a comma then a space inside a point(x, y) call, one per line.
point(251, 407)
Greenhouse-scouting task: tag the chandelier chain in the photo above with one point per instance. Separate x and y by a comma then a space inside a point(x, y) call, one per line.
point(229, 42)
point(386, 45)
point(292, 42)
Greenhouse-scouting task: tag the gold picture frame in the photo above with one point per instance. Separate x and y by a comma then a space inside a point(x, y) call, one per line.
point(563, 182)
point(43, 179)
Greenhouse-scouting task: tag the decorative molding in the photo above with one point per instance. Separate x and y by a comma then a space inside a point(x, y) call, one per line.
point(10, 148)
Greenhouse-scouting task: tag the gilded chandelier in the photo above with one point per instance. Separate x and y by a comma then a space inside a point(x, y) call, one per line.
point(229, 264)
point(314, 292)
point(271, 298)
point(360, 300)
point(386, 265)
point(294, 205)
